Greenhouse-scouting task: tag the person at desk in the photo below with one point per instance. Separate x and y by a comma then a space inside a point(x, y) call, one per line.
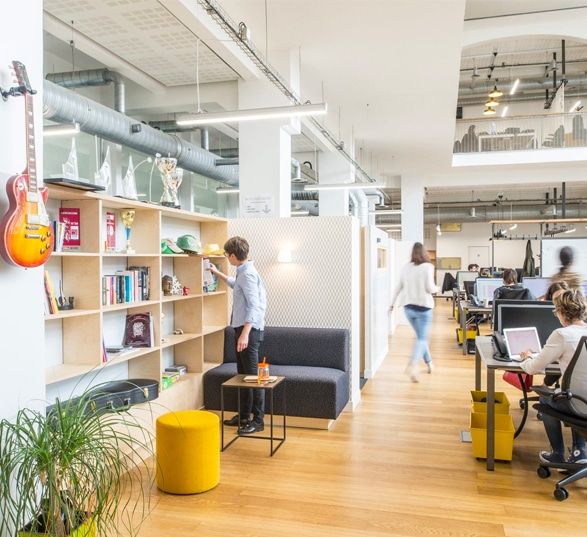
point(473, 267)
point(417, 284)
point(511, 288)
point(570, 308)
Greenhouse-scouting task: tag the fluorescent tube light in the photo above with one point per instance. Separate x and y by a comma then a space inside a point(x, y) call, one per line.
point(61, 129)
point(575, 107)
point(515, 86)
point(343, 186)
point(386, 211)
point(504, 111)
point(206, 118)
point(227, 190)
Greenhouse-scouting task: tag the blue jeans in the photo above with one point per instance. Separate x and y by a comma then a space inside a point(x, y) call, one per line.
point(421, 322)
point(554, 429)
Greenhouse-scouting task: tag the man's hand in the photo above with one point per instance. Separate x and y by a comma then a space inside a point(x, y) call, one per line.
point(243, 341)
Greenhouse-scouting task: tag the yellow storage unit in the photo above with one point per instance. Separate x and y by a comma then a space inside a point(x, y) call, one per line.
point(479, 402)
point(504, 436)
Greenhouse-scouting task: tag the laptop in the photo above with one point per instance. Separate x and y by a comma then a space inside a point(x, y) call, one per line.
point(518, 340)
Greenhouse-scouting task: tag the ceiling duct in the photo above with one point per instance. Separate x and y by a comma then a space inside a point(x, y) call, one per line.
point(93, 77)
point(62, 105)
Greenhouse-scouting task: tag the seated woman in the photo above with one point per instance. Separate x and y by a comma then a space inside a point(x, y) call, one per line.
point(511, 288)
point(571, 309)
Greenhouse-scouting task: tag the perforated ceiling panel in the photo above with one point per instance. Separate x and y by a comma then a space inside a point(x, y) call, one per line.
point(146, 35)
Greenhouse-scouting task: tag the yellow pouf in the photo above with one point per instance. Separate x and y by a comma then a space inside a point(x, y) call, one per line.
point(188, 451)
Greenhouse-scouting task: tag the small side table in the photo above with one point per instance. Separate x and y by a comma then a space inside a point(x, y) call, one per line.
point(238, 383)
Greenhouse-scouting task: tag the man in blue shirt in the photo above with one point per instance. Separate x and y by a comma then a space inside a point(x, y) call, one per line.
point(249, 303)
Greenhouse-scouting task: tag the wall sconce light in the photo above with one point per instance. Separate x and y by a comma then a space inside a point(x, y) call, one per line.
point(208, 118)
point(284, 255)
point(62, 129)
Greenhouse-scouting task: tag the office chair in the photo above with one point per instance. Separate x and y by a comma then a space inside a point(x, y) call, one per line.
point(574, 391)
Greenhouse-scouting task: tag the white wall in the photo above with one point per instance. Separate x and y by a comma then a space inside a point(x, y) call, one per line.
point(21, 315)
point(321, 287)
point(376, 300)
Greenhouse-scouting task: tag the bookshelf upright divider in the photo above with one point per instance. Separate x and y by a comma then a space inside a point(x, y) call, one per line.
point(188, 327)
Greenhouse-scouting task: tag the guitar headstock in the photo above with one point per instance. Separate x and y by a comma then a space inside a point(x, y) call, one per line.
point(22, 77)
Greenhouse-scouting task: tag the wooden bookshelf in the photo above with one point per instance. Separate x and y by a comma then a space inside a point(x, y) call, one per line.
point(76, 336)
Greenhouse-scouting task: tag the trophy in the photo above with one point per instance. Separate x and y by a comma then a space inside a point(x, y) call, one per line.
point(128, 216)
point(169, 176)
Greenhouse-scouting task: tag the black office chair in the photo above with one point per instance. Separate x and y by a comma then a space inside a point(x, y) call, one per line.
point(574, 391)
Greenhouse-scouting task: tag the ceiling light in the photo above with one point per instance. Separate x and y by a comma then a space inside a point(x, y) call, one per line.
point(491, 102)
point(229, 190)
point(571, 229)
point(513, 226)
point(488, 111)
point(495, 92)
point(386, 211)
point(475, 73)
point(515, 86)
point(62, 129)
point(207, 118)
point(343, 186)
point(389, 226)
point(504, 111)
point(300, 212)
point(473, 212)
point(577, 106)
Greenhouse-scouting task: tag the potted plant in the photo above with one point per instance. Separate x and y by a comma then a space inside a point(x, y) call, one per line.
point(74, 471)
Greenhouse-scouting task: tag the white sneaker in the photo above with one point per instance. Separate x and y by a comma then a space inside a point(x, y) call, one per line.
point(430, 366)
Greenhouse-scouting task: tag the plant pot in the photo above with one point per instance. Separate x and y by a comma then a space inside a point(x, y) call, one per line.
point(87, 529)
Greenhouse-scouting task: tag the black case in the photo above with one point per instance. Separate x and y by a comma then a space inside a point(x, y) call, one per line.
point(117, 396)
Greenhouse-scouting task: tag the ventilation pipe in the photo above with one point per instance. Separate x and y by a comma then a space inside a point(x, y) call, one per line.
point(63, 106)
point(360, 206)
point(170, 125)
point(93, 77)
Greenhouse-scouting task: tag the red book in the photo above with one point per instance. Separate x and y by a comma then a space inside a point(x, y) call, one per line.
point(70, 217)
point(110, 231)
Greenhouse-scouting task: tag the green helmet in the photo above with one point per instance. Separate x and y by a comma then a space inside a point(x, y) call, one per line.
point(189, 243)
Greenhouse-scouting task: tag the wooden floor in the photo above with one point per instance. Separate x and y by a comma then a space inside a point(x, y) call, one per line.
point(394, 467)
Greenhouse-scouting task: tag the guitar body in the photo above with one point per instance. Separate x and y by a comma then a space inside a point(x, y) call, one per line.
point(27, 234)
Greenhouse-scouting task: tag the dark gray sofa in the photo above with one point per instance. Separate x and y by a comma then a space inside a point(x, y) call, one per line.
point(314, 362)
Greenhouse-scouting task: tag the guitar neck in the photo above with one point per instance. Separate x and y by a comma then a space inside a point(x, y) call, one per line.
point(30, 146)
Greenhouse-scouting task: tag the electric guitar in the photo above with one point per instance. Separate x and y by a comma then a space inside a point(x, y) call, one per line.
point(27, 233)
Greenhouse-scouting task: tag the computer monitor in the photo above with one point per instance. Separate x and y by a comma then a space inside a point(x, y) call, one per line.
point(484, 287)
point(469, 288)
point(520, 313)
point(538, 286)
point(465, 275)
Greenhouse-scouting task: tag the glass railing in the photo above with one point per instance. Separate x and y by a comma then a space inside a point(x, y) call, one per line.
point(520, 133)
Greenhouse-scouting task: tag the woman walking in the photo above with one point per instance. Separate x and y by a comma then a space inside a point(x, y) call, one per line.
point(417, 285)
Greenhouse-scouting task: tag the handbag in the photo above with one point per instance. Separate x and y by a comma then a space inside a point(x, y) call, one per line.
point(514, 379)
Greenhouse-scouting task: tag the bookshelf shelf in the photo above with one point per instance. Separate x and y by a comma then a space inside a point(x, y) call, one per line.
point(75, 338)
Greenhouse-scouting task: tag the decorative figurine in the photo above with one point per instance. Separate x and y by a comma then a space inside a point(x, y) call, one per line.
point(171, 178)
point(129, 184)
point(128, 217)
point(166, 285)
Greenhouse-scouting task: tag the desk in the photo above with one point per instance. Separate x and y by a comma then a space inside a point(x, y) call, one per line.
point(506, 137)
point(464, 308)
point(238, 383)
point(484, 353)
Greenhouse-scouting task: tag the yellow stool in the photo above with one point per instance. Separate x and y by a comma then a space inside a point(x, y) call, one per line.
point(188, 451)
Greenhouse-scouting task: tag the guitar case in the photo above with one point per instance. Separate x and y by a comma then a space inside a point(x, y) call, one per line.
point(116, 396)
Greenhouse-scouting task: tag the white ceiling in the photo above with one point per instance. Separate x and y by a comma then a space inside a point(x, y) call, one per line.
point(389, 69)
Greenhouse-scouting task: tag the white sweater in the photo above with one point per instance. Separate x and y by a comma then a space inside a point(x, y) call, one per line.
point(417, 283)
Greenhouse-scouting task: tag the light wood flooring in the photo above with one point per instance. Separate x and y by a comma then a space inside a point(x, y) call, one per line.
point(395, 466)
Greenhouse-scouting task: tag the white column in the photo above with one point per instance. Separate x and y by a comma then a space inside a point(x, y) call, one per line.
point(333, 168)
point(413, 207)
point(265, 146)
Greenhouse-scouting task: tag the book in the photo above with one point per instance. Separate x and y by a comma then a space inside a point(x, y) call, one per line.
point(50, 293)
point(70, 216)
point(138, 330)
point(110, 231)
point(255, 378)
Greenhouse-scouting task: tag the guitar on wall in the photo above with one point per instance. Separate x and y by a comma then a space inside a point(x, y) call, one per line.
point(27, 233)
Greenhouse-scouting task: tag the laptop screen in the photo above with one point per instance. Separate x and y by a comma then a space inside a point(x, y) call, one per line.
point(519, 340)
